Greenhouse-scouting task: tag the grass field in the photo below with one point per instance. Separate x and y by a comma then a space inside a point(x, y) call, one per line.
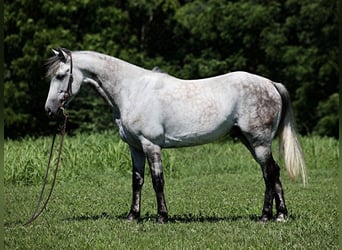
point(214, 195)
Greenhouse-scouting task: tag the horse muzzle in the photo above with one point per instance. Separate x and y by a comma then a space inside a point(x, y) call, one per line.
point(55, 114)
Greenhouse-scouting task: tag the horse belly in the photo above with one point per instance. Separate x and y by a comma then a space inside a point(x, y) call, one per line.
point(175, 141)
point(195, 131)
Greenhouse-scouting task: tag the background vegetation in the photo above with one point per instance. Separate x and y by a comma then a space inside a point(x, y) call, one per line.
point(289, 41)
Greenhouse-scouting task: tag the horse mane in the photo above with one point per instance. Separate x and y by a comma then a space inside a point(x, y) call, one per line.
point(159, 70)
point(52, 65)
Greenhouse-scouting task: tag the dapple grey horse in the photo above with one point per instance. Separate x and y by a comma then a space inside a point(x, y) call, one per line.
point(154, 110)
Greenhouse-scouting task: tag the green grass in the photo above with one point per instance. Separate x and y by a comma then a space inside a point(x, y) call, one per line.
point(214, 194)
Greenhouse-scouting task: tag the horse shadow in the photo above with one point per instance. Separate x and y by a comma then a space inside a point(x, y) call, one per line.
point(190, 218)
point(182, 218)
point(200, 218)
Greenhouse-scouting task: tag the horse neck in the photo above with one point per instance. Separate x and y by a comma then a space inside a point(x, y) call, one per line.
point(107, 68)
point(113, 75)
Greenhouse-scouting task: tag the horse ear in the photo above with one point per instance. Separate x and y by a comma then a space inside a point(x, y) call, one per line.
point(62, 54)
point(55, 52)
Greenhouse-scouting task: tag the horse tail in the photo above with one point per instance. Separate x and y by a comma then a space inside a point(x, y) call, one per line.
point(289, 144)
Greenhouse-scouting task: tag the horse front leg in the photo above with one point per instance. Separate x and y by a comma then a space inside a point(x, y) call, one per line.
point(138, 162)
point(154, 155)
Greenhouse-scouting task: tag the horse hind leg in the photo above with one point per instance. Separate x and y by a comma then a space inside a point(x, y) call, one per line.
point(262, 153)
point(273, 190)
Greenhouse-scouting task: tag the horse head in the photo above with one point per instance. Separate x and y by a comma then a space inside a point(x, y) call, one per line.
point(65, 82)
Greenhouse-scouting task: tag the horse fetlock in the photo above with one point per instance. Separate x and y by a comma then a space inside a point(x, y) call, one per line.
point(133, 215)
point(162, 217)
point(282, 210)
point(266, 215)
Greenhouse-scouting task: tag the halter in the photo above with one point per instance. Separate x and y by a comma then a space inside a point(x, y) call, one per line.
point(71, 79)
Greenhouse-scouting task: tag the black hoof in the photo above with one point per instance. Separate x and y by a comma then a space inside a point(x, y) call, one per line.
point(162, 218)
point(263, 219)
point(132, 216)
point(280, 218)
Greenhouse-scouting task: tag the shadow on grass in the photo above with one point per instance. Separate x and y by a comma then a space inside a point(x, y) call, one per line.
point(184, 218)
point(191, 218)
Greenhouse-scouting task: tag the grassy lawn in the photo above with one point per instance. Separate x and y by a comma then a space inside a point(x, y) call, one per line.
point(214, 195)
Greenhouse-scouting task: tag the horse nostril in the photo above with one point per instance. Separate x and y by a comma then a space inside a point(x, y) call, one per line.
point(49, 112)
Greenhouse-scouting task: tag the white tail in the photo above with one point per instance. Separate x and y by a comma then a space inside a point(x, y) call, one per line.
point(293, 154)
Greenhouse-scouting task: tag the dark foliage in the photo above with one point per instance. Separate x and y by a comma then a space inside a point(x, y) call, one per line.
point(293, 42)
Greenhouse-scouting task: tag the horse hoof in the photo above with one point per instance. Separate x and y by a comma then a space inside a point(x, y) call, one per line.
point(162, 219)
point(280, 218)
point(263, 219)
point(132, 217)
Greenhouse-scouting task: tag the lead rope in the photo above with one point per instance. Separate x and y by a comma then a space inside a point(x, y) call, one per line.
point(38, 211)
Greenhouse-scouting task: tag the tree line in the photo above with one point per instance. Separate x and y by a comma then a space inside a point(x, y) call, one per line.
point(288, 41)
